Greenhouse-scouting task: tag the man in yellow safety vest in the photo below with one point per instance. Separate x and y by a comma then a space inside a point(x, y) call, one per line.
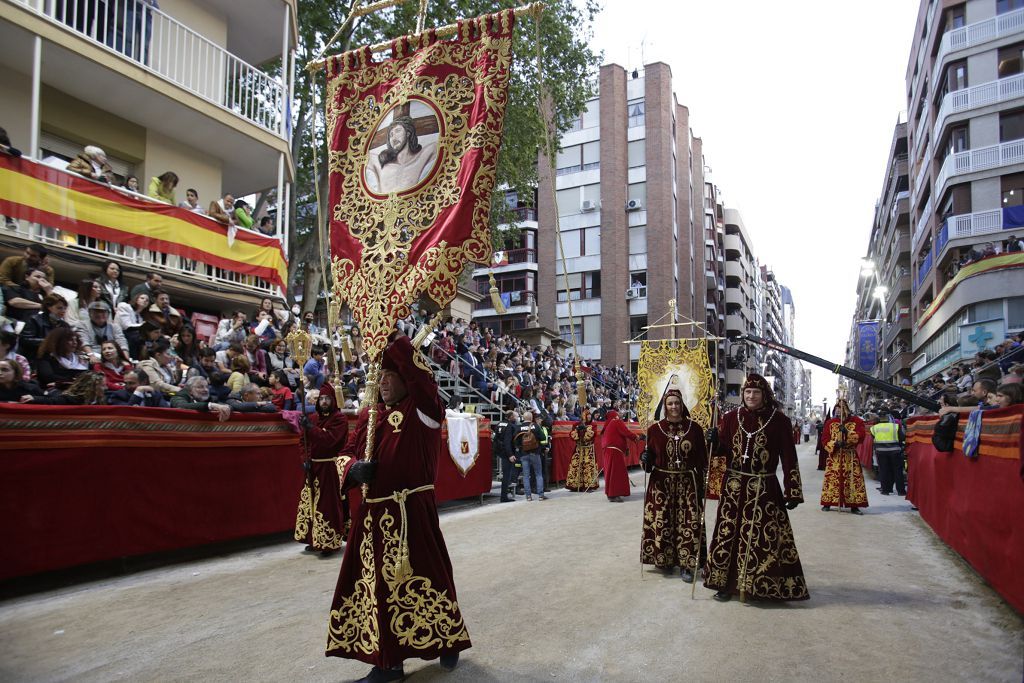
point(889, 438)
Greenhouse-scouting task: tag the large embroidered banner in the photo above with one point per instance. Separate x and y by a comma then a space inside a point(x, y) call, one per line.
point(414, 141)
point(41, 194)
point(687, 360)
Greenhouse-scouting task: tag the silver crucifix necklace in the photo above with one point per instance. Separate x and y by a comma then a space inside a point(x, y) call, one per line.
point(750, 435)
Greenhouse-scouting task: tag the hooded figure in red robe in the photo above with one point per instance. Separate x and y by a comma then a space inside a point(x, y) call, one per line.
point(616, 439)
point(320, 521)
point(395, 597)
point(676, 458)
point(752, 550)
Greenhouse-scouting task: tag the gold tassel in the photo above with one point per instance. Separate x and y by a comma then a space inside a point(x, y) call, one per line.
point(496, 297)
point(581, 387)
point(346, 349)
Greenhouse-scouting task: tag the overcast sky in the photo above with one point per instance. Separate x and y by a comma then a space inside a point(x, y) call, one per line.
point(796, 102)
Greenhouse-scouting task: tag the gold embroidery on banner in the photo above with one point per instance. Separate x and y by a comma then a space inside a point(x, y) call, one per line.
point(687, 358)
point(387, 227)
point(354, 626)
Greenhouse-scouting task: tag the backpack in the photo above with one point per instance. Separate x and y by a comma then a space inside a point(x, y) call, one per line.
point(528, 440)
point(944, 435)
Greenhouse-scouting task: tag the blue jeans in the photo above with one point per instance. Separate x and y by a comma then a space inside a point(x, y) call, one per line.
point(532, 463)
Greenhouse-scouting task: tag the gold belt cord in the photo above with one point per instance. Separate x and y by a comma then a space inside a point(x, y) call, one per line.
point(403, 570)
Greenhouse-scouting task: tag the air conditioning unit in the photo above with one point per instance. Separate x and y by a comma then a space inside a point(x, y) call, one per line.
point(588, 205)
point(634, 205)
point(632, 293)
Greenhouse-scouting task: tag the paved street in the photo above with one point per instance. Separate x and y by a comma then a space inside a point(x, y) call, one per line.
point(550, 591)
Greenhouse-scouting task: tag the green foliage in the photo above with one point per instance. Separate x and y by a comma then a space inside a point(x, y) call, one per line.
point(567, 77)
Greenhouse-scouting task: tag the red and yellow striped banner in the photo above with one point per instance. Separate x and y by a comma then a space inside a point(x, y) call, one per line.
point(41, 194)
point(1000, 432)
point(985, 265)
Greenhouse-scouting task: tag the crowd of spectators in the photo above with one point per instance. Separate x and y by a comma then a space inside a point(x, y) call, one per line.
point(57, 346)
point(92, 163)
point(993, 378)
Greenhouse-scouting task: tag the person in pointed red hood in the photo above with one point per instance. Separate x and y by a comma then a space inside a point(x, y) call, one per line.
point(752, 550)
point(843, 484)
point(616, 439)
point(321, 517)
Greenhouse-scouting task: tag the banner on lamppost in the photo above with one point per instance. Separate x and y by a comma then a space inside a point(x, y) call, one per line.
point(867, 345)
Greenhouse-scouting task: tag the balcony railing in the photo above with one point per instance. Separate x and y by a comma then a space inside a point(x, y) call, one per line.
point(155, 41)
point(923, 269)
point(516, 298)
point(977, 33)
point(525, 213)
point(993, 92)
point(968, 225)
point(995, 156)
point(919, 129)
point(919, 179)
point(922, 224)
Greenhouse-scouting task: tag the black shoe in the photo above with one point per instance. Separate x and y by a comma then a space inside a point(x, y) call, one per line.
point(687, 576)
point(884, 493)
point(901, 493)
point(723, 596)
point(543, 497)
point(449, 662)
point(668, 571)
point(826, 508)
point(379, 675)
point(856, 511)
point(507, 500)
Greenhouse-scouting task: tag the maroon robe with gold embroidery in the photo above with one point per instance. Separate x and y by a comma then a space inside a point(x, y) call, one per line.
point(752, 551)
point(320, 520)
point(674, 503)
point(390, 606)
point(843, 484)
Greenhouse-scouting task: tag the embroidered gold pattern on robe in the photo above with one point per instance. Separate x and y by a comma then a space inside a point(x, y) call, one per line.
point(418, 615)
point(843, 484)
point(355, 625)
point(325, 537)
point(753, 536)
point(582, 473)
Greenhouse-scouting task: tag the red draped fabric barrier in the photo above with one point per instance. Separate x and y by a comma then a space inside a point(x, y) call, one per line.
point(975, 506)
point(87, 484)
point(562, 447)
point(865, 449)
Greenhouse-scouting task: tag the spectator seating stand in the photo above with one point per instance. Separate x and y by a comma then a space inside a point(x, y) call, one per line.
point(88, 484)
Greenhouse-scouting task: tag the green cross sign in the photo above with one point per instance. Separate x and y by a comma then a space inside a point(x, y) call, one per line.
point(980, 337)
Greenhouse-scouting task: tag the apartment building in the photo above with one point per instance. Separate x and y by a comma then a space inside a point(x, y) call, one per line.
point(965, 93)
point(630, 191)
point(884, 288)
point(714, 272)
point(743, 304)
point(178, 89)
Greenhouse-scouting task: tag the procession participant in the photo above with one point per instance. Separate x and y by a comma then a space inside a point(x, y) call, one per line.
point(395, 597)
point(320, 521)
point(616, 439)
point(582, 473)
point(844, 480)
point(676, 458)
point(752, 550)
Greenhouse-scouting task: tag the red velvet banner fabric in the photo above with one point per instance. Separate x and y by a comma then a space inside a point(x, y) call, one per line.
point(975, 506)
point(87, 484)
point(562, 447)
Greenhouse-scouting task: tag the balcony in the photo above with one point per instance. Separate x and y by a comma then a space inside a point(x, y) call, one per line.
point(922, 224)
point(923, 269)
point(734, 243)
point(968, 225)
point(517, 301)
point(919, 129)
point(83, 222)
point(981, 159)
point(161, 45)
point(1000, 26)
point(893, 330)
point(735, 323)
point(898, 362)
point(920, 177)
point(993, 92)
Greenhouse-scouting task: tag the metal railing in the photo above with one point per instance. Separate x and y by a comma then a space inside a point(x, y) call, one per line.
point(922, 224)
point(980, 32)
point(141, 33)
point(519, 297)
point(923, 269)
point(993, 92)
point(994, 156)
point(968, 225)
point(191, 270)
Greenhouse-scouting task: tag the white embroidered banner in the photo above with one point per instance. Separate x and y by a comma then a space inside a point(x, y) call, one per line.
point(463, 439)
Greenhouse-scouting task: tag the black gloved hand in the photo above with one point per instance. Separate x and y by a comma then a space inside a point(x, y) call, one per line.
point(304, 420)
point(791, 505)
point(647, 460)
point(713, 439)
point(307, 465)
point(363, 472)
